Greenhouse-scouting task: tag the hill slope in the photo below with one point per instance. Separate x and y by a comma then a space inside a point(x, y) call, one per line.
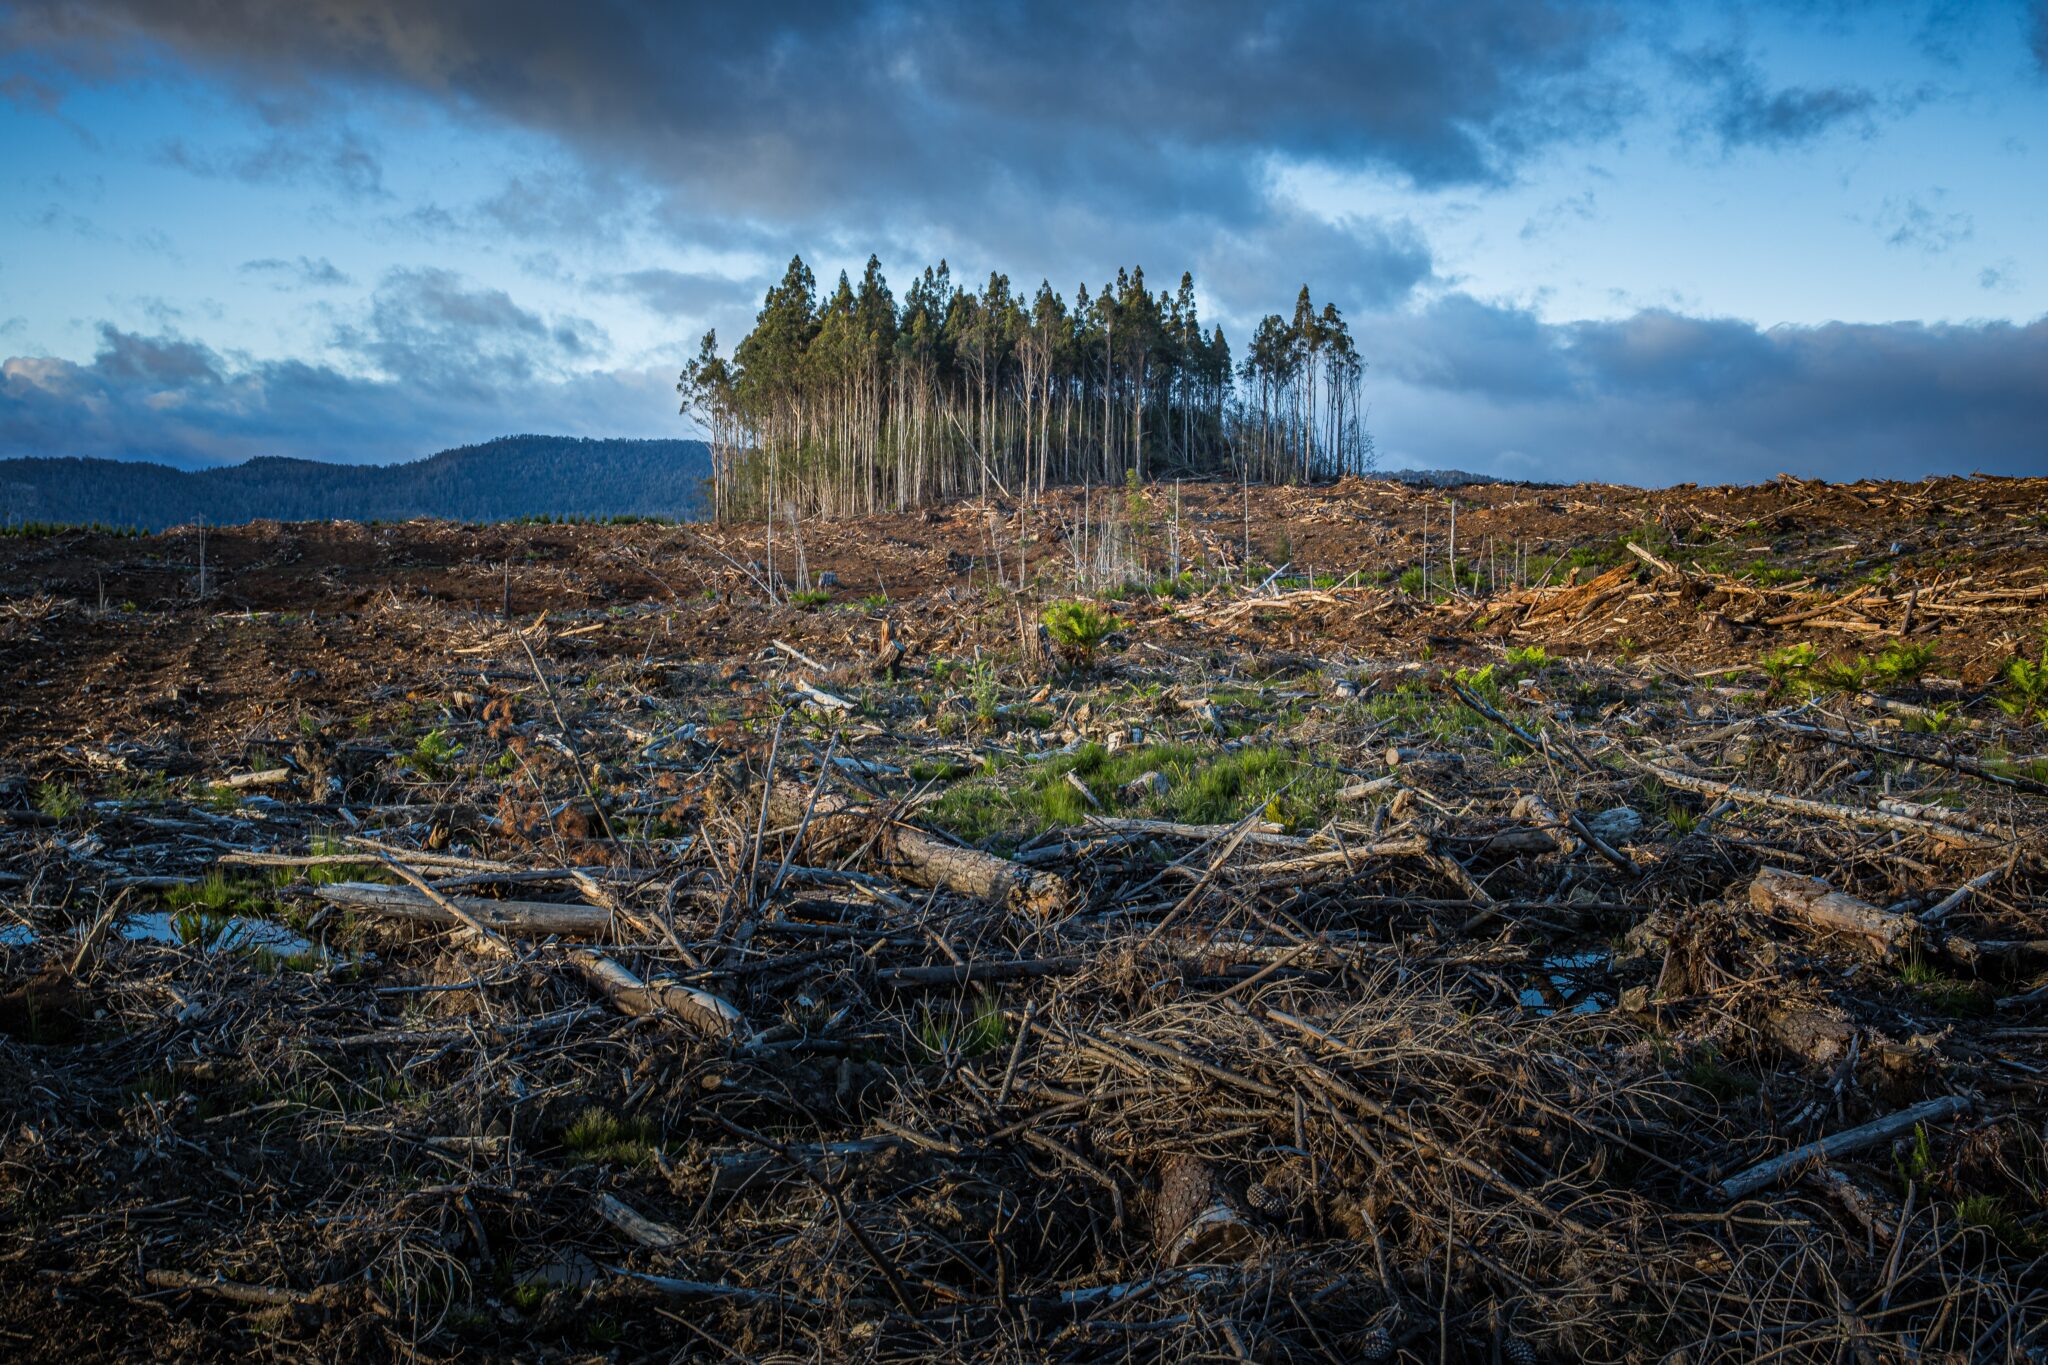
point(499, 480)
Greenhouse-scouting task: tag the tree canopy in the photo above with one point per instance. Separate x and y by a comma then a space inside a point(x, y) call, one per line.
point(853, 402)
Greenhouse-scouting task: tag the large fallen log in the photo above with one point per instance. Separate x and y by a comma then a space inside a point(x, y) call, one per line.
point(528, 918)
point(835, 827)
point(1812, 902)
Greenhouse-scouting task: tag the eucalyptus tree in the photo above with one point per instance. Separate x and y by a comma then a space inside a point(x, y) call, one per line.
point(860, 402)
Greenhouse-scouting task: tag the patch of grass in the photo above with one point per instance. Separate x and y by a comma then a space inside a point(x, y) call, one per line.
point(1916, 1161)
point(1203, 787)
point(1941, 992)
point(954, 1030)
point(150, 786)
point(215, 894)
point(810, 599)
point(199, 928)
point(1989, 1213)
point(600, 1137)
point(1528, 658)
point(1416, 712)
point(269, 961)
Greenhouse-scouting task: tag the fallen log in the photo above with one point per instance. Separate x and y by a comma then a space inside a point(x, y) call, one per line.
point(838, 827)
point(531, 918)
point(1826, 810)
point(658, 997)
point(1855, 1139)
point(1812, 902)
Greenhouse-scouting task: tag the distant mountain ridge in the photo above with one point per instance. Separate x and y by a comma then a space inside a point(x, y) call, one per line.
point(501, 480)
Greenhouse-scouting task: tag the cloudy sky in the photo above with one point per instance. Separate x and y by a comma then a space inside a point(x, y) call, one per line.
point(1646, 242)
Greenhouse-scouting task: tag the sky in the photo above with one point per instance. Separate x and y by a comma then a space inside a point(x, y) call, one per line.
point(1649, 243)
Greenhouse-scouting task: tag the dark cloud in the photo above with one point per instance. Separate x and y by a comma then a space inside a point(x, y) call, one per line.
point(303, 273)
point(1743, 111)
point(1660, 398)
point(781, 111)
point(1359, 264)
point(579, 204)
point(171, 399)
point(338, 159)
point(431, 329)
point(679, 293)
point(1654, 398)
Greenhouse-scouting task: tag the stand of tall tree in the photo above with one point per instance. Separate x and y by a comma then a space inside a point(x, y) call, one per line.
point(859, 404)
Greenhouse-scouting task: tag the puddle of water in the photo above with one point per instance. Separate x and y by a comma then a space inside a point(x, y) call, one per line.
point(234, 936)
point(1566, 986)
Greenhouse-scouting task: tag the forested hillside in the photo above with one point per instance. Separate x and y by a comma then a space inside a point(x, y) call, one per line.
point(501, 480)
point(858, 404)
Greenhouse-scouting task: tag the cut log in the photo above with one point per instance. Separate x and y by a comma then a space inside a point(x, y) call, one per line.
point(701, 1010)
point(1539, 813)
point(820, 698)
point(1525, 840)
point(1195, 1220)
point(841, 828)
point(634, 1225)
point(1398, 757)
point(1371, 787)
point(529, 918)
point(1811, 902)
point(268, 777)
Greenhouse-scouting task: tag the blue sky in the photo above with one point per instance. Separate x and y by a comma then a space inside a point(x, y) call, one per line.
point(1643, 242)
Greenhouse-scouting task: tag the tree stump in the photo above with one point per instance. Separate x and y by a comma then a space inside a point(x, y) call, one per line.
point(1195, 1220)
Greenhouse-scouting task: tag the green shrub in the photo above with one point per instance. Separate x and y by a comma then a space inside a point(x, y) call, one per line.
point(433, 754)
point(1899, 662)
point(59, 800)
point(810, 599)
point(1079, 629)
point(2026, 687)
